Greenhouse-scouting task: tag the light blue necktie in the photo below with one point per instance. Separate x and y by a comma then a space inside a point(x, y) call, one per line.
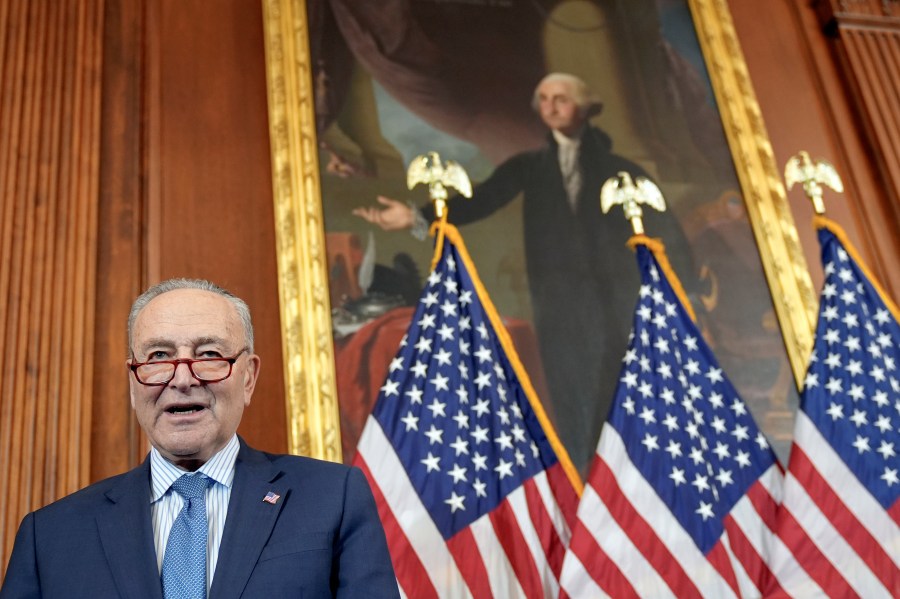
point(184, 565)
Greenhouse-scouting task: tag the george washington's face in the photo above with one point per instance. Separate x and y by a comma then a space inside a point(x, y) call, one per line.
point(558, 109)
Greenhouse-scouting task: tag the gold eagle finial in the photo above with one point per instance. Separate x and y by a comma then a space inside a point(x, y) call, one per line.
point(813, 175)
point(428, 169)
point(622, 189)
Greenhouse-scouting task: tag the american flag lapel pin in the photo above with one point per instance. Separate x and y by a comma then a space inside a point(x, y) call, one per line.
point(271, 498)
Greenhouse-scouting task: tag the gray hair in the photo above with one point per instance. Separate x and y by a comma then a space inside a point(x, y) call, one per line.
point(582, 95)
point(243, 311)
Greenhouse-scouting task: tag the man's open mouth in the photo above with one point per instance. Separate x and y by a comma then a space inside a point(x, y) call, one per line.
point(185, 409)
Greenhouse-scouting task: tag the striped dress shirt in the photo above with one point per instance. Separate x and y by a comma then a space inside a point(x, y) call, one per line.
point(165, 504)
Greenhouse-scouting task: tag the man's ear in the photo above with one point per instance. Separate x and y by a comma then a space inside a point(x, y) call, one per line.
point(251, 375)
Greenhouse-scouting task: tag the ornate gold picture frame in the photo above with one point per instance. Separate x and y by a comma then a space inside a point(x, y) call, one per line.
point(312, 406)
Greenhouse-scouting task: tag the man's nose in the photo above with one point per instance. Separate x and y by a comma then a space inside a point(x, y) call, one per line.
point(183, 376)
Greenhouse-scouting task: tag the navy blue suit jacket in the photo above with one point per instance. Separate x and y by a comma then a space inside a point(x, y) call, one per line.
point(322, 538)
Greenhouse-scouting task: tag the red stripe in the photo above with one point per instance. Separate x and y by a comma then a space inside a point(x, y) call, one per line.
point(604, 571)
point(764, 504)
point(410, 572)
point(843, 520)
point(807, 554)
point(752, 562)
point(468, 559)
point(641, 534)
point(721, 561)
point(894, 512)
point(550, 542)
point(513, 542)
point(566, 496)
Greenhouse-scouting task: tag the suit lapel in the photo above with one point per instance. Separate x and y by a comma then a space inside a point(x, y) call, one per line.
point(249, 523)
point(126, 534)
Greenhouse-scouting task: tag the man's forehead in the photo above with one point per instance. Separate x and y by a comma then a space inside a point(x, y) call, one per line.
point(555, 88)
point(188, 314)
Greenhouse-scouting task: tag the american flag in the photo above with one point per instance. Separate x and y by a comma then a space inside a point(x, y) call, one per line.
point(839, 520)
point(476, 494)
point(684, 487)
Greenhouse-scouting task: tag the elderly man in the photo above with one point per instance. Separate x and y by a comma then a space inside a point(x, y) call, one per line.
point(581, 276)
point(204, 513)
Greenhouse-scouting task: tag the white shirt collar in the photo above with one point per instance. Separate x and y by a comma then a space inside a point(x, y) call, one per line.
point(220, 468)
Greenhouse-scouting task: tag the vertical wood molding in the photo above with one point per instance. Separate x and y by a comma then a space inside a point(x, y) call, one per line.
point(866, 41)
point(50, 63)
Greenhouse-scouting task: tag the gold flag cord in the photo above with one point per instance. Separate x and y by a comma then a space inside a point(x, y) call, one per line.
point(659, 252)
point(823, 222)
point(443, 228)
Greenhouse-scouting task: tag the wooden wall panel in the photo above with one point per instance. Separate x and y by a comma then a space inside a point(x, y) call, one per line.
point(808, 103)
point(210, 179)
point(49, 162)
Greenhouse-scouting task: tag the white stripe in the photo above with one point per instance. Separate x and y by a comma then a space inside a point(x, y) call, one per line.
point(501, 576)
point(789, 573)
point(845, 485)
point(648, 504)
point(751, 524)
point(519, 506)
point(830, 542)
point(407, 507)
point(576, 580)
point(552, 507)
point(746, 586)
point(618, 546)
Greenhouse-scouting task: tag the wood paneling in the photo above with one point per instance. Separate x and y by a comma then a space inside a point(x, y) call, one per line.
point(49, 162)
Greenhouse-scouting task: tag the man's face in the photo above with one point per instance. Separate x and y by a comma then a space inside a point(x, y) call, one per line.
point(558, 109)
point(186, 420)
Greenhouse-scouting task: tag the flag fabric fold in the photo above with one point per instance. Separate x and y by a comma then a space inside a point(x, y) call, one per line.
point(840, 514)
point(683, 489)
point(475, 491)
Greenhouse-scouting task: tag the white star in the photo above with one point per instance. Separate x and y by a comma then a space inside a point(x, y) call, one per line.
point(482, 330)
point(650, 442)
point(480, 434)
point(504, 469)
point(479, 461)
point(431, 462)
point(437, 408)
point(662, 345)
point(647, 415)
point(718, 425)
point(391, 388)
point(664, 370)
point(861, 444)
point(692, 367)
point(890, 476)
point(886, 450)
point(455, 502)
point(465, 297)
point(460, 446)
point(742, 458)
point(630, 379)
point(430, 298)
point(856, 392)
point(448, 308)
point(673, 448)
point(465, 323)
point(667, 396)
point(443, 357)
point(518, 433)
point(451, 286)
point(503, 414)
point(738, 407)
point(520, 458)
point(420, 369)
point(440, 382)
point(883, 423)
point(859, 418)
point(740, 433)
point(696, 455)
point(832, 336)
point(645, 389)
point(458, 473)
point(483, 354)
point(854, 367)
point(414, 394)
point(670, 422)
point(504, 441)
point(852, 344)
point(677, 476)
point(834, 386)
point(483, 380)
point(705, 510)
point(721, 450)
point(762, 441)
point(479, 488)
point(835, 411)
point(434, 435)
point(724, 477)
point(445, 332)
point(630, 355)
point(812, 380)
point(423, 345)
point(482, 407)
point(690, 343)
point(427, 321)
point(714, 375)
point(396, 364)
point(411, 421)
point(628, 404)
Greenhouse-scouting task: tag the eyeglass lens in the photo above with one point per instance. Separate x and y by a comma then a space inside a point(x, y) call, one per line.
point(205, 370)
